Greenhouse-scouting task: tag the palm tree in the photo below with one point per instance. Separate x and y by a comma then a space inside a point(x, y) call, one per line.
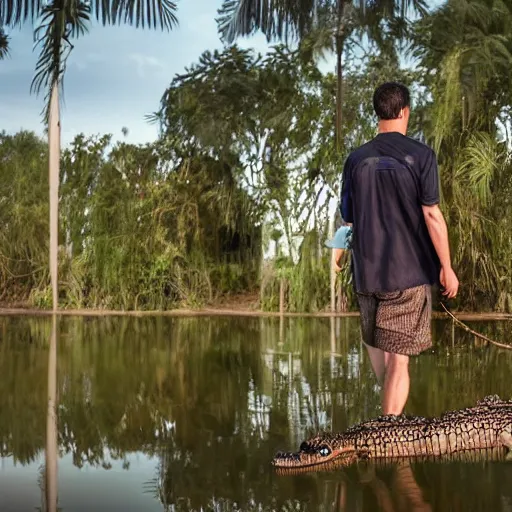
point(320, 25)
point(62, 21)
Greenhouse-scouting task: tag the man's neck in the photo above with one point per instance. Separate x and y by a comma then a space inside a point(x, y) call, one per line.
point(392, 125)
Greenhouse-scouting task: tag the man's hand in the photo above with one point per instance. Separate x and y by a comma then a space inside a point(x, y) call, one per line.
point(449, 282)
point(438, 232)
point(337, 256)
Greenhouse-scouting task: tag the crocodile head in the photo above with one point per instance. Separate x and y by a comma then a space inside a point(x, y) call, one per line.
point(329, 466)
point(319, 450)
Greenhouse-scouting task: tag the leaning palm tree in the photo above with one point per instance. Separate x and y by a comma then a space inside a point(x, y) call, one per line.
point(61, 22)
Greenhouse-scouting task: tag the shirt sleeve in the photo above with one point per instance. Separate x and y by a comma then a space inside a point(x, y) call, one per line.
point(429, 180)
point(346, 195)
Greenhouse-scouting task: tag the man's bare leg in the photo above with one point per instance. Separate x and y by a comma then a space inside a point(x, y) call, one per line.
point(379, 361)
point(396, 384)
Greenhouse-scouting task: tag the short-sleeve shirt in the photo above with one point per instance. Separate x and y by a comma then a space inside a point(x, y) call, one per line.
point(385, 183)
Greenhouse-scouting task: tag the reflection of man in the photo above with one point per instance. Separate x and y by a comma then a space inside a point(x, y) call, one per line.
point(399, 243)
point(339, 245)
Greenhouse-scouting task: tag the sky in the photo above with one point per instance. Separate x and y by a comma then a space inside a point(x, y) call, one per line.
point(115, 76)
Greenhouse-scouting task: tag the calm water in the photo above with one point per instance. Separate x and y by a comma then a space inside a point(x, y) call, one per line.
point(185, 414)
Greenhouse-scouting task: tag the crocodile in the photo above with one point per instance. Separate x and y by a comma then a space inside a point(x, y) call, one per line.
point(496, 454)
point(485, 426)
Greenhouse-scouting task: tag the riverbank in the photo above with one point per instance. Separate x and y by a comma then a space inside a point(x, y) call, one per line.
point(246, 305)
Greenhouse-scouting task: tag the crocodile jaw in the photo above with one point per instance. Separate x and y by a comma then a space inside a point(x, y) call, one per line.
point(301, 459)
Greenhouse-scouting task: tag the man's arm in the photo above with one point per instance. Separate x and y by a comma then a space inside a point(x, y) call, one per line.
point(429, 197)
point(438, 231)
point(346, 196)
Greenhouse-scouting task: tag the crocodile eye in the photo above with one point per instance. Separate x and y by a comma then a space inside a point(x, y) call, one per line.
point(324, 451)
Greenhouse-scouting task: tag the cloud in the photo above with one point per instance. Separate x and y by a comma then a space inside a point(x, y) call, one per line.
point(81, 62)
point(146, 63)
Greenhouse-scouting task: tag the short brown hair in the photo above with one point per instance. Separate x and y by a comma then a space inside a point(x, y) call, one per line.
point(389, 98)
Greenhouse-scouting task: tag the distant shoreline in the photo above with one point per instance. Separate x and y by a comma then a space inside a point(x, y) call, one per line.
point(227, 311)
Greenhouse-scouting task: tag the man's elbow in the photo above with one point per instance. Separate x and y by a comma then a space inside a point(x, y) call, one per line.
point(432, 214)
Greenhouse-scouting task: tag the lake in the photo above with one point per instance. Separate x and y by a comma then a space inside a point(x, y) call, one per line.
point(185, 414)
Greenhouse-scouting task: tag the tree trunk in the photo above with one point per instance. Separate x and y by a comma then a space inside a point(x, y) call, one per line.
point(333, 272)
point(54, 171)
point(338, 132)
point(340, 40)
point(282, 286)
point(51, 424)
point(339, 91)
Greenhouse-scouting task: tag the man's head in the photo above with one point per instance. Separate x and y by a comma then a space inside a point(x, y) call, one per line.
point(391, 102)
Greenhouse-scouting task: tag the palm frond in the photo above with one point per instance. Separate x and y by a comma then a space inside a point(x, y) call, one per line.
point(449, 103)
point(15, 12)
point(134, 12)
point(141, 13)
point(389, 8)
point(277, 19)
point(290, 19)
point(61, 22)
point(480, 160)
point(4, 44)
point(316, 44)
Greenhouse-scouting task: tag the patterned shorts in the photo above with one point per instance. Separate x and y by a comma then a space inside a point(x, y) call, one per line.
point(397, 322)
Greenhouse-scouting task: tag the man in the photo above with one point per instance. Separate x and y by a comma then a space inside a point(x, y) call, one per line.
point(390, 195)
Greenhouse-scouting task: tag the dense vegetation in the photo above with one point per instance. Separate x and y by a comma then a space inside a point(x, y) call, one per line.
point(236, 195)
point(139, 230)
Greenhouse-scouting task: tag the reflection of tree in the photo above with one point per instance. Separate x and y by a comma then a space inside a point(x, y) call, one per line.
point(23, 388)
point(51, 423)
point(48, 472)
point(48, 478)
point(215, 398)
point(323, 390)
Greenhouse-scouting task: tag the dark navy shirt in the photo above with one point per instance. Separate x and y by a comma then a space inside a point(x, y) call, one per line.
point(385, 183)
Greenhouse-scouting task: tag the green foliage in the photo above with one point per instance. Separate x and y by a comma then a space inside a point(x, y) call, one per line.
point(136, 232)
point(292, 20)
point(307, 283)
point(465, 52)
point(247, 165)
point(24, 213)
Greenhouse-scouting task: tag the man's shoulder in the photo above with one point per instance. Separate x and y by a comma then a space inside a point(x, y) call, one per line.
point(403, 145)
point(361, 152)
point(420, 147)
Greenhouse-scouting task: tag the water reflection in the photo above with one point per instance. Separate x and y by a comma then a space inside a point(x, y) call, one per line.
point(51, 453)
point(185, 414)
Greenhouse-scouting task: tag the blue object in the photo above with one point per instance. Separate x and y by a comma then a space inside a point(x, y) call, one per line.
point(340, 239)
